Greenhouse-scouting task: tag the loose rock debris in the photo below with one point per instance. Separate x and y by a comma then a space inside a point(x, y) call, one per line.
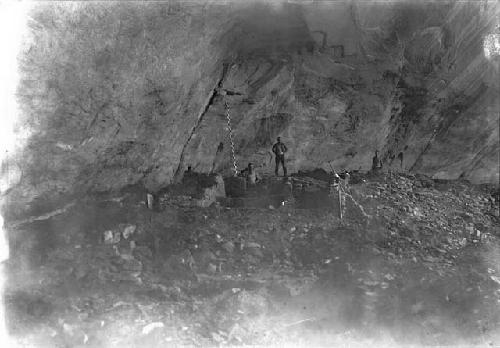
point(423, 269)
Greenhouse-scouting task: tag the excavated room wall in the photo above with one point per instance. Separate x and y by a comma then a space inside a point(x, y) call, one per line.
point(121, 94)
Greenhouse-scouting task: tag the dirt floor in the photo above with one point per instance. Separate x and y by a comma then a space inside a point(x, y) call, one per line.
point(412, 262)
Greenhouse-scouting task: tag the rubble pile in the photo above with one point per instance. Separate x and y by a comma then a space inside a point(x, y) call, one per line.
point(433, 215)
point(196, 189)
point(192, 275)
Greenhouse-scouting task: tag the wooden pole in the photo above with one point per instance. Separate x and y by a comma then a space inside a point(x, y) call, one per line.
point(340, 201)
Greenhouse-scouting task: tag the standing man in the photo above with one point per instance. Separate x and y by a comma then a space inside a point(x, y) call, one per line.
point(279, 150)
point(376, 163)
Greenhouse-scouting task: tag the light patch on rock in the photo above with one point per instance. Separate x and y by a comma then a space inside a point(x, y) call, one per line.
point(64, 146)
point(491, 45)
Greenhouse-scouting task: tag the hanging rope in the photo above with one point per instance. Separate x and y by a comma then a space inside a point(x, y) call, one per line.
point(233, 156)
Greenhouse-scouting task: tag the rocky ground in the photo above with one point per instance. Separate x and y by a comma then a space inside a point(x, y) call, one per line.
point(413, 262)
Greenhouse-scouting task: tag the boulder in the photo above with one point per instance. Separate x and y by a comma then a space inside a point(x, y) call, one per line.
point(209, 195)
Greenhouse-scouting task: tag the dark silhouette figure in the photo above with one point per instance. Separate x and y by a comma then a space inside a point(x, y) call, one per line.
point(400, 157)
point(189, 177)
point(376, 163)
point(218, 156)
point(279, 150)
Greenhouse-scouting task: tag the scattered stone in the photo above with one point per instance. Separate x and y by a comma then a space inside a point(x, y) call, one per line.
point(129, 263)
point(150, 327)
point(389, 276)
point(228, 247)
point(111, 237)
point(254, 249)
point(150, 201)
point(217, 337)
point(253, 245)
point(128, 231)
point(495, 279)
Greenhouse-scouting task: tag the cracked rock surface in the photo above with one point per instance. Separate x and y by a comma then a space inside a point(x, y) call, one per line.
point(121, 94)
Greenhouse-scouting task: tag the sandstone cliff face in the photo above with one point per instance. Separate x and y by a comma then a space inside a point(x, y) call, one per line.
point(116, 95)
